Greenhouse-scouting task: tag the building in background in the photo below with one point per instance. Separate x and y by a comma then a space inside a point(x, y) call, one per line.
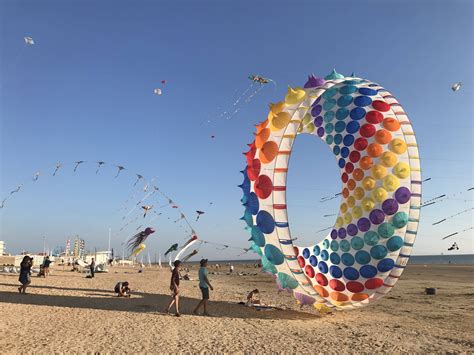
point(2, 247)
point(100, 257)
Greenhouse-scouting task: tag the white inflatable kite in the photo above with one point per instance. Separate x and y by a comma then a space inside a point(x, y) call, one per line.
point(373, 142)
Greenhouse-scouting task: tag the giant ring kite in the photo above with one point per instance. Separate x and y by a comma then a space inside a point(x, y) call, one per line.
point(374, 144)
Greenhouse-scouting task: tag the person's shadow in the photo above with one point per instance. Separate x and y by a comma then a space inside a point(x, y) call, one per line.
point(139, 302)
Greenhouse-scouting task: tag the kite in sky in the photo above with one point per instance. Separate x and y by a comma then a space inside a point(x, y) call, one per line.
point(199, 213)
point(29, 41)
point(135, 241)
point(259, 79)
point(456, 87)
point(174, 247)
point(257, 83)
point(58, 166)
point(139, 177)
point(454, 246)
point(146, 208)
point(119, 169)
point(157, 92)
point(79, 162)
point(99, 164)
point(138, 250)
point(388, 221)
point(36, 176)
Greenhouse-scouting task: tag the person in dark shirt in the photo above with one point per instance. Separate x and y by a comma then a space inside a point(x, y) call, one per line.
point(92, 267)
point(174, 287)
point(25, 272)
point(46, 264)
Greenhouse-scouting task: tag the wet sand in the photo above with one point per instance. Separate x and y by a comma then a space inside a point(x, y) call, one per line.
point(68, 313)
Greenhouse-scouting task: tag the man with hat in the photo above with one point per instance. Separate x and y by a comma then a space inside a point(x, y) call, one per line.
point(204, 285)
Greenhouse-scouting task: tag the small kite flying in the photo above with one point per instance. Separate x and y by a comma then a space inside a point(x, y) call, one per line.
point(259, 79)
point(454, 246)
point(146, 208)
point(199, 213)
point(58, 166)
point(79, 162)
point(29, 41)
point(119, 169)
point(99, 164)
point(456, 87)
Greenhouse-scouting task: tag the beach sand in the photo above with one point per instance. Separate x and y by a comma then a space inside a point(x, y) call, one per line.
point(68, 313)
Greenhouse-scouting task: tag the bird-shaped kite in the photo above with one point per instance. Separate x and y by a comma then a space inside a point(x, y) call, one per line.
point(146, 208)
point(119, 169)
point(99, 164)
point(139, 177)
point(79, 162)
point(199, 213)
point(58, 166)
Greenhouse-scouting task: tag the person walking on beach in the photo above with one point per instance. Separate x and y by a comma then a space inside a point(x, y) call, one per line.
point(204, 285)
point(174, 287)
point(25, 273)
point(46, 264)
point(92, 267)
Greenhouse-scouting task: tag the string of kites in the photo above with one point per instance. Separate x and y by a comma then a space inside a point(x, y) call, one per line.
point(148, 185)
point(135, 243)
point(430, 202)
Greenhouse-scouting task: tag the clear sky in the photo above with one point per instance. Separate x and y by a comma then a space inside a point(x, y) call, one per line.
point(84, 91)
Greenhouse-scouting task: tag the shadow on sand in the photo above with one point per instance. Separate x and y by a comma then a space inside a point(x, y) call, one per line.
point(140, 302)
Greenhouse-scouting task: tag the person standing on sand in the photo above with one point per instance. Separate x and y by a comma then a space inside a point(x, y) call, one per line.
point(25, 273)
point(92, 267)
point(46, 264)
point(174, 287)
point(204, 285)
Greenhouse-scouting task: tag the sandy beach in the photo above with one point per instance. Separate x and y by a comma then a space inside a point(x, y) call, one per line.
point(68, 313)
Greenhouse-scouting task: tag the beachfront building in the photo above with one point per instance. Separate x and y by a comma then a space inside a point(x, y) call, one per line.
point(100, 257)
point(2, 247)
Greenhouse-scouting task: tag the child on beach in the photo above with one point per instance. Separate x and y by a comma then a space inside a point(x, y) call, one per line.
point(174, 287)
point(204, 285)
point(25, 272)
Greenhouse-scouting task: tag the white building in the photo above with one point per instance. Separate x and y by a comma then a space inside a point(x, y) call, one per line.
point(100, 257)
point(2, 247)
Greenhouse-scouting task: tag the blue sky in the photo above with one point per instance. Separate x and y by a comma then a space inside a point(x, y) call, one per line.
point(84, 91)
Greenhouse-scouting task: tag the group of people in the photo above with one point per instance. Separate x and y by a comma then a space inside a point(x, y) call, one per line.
point(123, 288)
point(204, 286)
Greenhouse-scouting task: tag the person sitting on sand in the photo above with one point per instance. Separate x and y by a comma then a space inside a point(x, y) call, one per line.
point(174, 287)
point(122, 289)
point(204, 285)
point(25, 273)
point(253, 298)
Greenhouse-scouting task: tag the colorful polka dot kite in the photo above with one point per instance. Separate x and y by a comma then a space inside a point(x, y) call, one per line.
point(373, 142)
